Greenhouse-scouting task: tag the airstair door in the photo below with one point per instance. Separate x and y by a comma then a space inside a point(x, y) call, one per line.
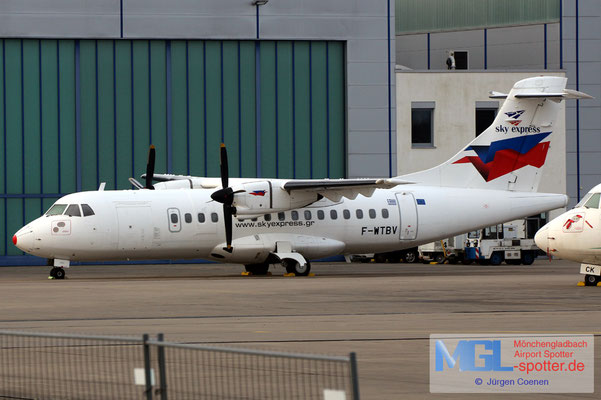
point(408, 216)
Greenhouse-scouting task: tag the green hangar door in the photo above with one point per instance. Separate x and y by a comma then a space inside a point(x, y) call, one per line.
point(75, 113)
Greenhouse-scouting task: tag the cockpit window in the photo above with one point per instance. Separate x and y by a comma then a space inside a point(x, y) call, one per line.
point(73, 210)
point(593, 202)
point(56, 209)
point(87, 210)
point(584, 200)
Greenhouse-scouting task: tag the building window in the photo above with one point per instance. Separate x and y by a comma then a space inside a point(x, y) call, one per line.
point(461, 60)
point(486, 111)
point(422, 124)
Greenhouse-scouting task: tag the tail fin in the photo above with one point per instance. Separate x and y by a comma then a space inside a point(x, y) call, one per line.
point(511, 153)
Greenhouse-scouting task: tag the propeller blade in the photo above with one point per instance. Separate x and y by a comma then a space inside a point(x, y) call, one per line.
point(227, 217)
point(224, 167)
point(150, 167)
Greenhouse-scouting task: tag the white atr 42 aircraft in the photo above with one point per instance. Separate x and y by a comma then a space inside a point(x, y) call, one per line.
point(576, 235)
point(259, 222)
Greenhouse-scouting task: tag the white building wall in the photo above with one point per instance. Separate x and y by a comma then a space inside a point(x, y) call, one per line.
point(455, 95)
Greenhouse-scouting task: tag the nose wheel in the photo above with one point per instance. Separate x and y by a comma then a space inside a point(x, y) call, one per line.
point(57, 273)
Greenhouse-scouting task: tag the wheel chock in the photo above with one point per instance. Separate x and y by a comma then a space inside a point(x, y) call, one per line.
point(51, 277)
point(311, 274)
point(290, 274)
point(245, 273)
point(598, 284)
point(433, 263)
point(580, 283)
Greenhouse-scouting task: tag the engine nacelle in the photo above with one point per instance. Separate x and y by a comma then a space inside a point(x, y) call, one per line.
point(263, 198)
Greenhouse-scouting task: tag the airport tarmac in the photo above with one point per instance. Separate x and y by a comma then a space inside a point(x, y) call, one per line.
point(383, 312)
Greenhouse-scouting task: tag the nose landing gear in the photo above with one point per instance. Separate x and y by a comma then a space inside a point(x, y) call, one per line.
point(58, 270)
point(57, 273)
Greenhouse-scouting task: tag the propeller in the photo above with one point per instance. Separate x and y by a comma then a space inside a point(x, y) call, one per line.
point(150, 167)
point(225, 196)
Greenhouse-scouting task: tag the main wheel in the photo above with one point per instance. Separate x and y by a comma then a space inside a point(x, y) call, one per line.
point(257, 269)
point(53, 272)
point(496, 258)
point(591, 280)
point(410, 256)
point(59, 273)
point(527, 257)
point(294, 267)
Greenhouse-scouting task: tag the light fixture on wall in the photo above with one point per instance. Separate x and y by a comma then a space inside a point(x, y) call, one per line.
point(259, 2)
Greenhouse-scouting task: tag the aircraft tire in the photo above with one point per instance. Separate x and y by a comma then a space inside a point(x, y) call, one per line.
point(591, 280)
point(257, 269)
point(59, 273)
point(53, 272)
point(293, 267)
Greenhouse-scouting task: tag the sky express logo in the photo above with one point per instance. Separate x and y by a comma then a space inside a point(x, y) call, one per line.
point(507, 155)
point(466, 352)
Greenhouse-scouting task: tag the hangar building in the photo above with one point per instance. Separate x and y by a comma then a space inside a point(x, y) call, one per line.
point(298, 89)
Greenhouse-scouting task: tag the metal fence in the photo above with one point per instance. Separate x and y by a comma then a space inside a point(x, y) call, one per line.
point(62, 366)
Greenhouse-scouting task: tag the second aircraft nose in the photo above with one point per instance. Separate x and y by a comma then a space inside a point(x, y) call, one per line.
point(541, 238)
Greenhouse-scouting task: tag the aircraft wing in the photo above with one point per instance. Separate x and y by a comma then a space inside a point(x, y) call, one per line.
point(335, 189)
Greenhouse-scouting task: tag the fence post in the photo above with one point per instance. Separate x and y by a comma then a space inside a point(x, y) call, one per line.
point(354, 376)
point(162, 369)
point(147, 370)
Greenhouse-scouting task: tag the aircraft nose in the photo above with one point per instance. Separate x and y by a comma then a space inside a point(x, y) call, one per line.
point(24, 239)
point(541, 238)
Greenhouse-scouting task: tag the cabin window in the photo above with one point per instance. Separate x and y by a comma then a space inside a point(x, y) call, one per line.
point(73, 210)
point(308, 215)
point(188, 217)
point(359, 214)
point(174, 218)
point(254, 219)
point(201, 218)
point(372, 213)
point(346, 214)
point(320, 214)
point(593, 202)
point(87, 210)
point(281, 216)
point(56, 209)
point(267, 217)
point(294, 215)
point(214, 217)
point(333, 214)
point(384, 213)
